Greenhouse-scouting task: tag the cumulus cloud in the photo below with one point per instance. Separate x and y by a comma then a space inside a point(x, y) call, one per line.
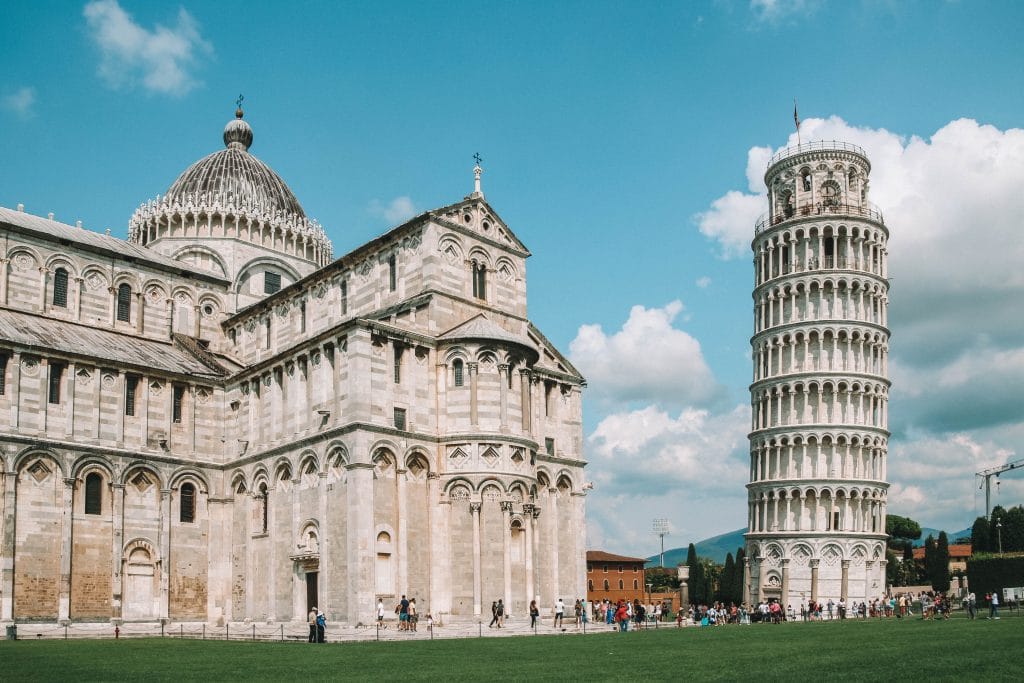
point(647, 361)
point(21, 102)
point(690, 468)
point(953, 204)
point(704, 282)
point(161, 58)
point(398, 210)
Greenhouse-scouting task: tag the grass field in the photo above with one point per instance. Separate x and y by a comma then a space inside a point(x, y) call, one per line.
point(909, 649)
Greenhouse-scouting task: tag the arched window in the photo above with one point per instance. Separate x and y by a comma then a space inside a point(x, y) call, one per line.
point(590, 585)
point(636, 584)
point(93, 494)
point(606, 586)
point(187, 503)
point(344, 297)
point(124, 302)
point(479, 280)
point(457, 372)
point(60, 287)
point(383, 571)
point(621, 584)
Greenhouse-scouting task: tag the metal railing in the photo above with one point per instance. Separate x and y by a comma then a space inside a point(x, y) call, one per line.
point(868, 210)
point(820, 146)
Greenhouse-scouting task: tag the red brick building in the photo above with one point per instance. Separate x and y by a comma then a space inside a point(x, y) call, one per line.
point(615, 577)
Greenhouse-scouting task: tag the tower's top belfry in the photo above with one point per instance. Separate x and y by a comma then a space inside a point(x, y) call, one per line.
point(817, 178)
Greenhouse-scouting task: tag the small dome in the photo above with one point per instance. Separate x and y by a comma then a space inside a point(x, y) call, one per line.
point(235, 177)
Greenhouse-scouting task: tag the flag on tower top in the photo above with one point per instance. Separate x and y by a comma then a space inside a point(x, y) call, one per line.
point(796, 117)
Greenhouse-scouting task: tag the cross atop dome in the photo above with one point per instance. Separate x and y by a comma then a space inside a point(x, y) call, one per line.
point(477, 172)
point(238, 133)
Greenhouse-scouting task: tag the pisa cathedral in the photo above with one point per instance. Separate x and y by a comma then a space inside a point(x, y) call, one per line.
point(217, 421)
point(820, 391)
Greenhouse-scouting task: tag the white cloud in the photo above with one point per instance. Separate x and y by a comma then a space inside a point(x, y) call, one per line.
point(776, 11)
point(952, 203)
point(398, 210)
point(690, 468)
point(704, 282)
point(648, 360)
point(161, 57)
point(21, 102)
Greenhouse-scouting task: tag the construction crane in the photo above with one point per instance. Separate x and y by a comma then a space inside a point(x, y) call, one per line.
point(995, 472)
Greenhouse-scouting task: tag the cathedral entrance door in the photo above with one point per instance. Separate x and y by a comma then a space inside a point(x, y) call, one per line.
point(311, 590)
point(138, 594)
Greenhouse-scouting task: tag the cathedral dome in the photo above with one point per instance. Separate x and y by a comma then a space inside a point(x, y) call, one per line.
point(234, 177)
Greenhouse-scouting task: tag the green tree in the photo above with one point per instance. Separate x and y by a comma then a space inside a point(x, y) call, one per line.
point(696, 580)
point(1013, 530)
point(995, 530)
point(909, 566)
point(737, 589)
point(662, 580)
point(725, 588)
point(900, 529)
point(980, 542)
point(940, 577)
point(929, 558)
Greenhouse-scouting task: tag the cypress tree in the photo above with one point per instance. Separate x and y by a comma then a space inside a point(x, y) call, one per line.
point(980, 541)
point(929, 559)
point(728, 582)
point(940, 580)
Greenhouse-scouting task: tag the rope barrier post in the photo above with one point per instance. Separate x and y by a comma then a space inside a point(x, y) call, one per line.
point(65, 631)
point(182, 631)
point(282, 633)
point(480, 626)
point(430, 627)
point(254, 631)
point(161, 628)
point(204, 631)
point(227, 631)
point(378, 631)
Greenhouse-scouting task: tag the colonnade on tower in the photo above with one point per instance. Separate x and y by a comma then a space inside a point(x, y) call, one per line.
point(820, 388)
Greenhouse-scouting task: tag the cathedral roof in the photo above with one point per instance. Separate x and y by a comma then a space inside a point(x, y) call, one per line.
point(234, 177)
point(482, 328)
point(33, 331)
point(50, 229)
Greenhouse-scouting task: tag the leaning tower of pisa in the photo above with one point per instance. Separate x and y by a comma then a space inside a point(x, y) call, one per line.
point(818, 440)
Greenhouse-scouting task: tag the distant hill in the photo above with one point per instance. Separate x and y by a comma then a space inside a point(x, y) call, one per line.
point(717, 547)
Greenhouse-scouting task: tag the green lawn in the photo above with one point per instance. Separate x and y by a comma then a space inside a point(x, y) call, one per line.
point(909, 649)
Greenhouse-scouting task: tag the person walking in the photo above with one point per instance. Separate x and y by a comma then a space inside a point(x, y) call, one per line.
point(311, 620)
point(321, 627)
point(534, 613)
point(414, 617)
point(972, 606)
point(380, 611)
point(494, 614)
point(994, 606)
point(559, 612)
point(501, 613)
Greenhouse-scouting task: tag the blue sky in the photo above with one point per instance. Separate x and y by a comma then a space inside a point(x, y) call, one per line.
point(623, 143)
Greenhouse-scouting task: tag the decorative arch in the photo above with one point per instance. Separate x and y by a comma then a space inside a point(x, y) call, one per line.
point(251, 266)
point(184, 252)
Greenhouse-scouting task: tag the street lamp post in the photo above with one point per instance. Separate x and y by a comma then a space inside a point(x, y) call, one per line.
point(999, 534)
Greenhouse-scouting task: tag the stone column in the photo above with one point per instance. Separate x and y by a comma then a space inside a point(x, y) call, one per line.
point(7, 550)
point(784, 599)
point(474, 509)
point(77, 293)
point(69, 413)
point(746, 581)
point(506, 541)
point(844, 590)
point(165, 552)
point(441, 404)
point(438, 511)
point(270, 558)
point(527, 404)
point(762, 577)
point(117, 547)
point(298, 571)
point(4, 273)
point(15, 391)
point(503, 393)
point(67, 517)
point(140, 313)
point(528, 513)
point(403, 526)
point(323, 582)
point(553, 541)
point(814, 580)
point(361, 541)
point(473, 380)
